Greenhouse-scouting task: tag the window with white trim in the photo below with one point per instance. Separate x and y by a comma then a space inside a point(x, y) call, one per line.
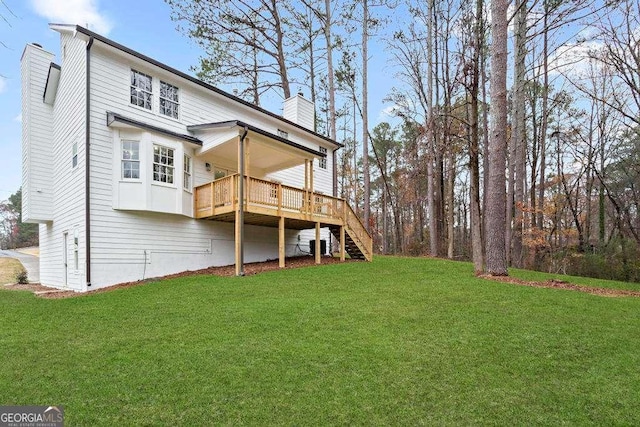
point(74, 155)
point(186, 182)
point(322, 161)
point(130, 159)
point(141, 89)
point(169, 101)
point(163, 165)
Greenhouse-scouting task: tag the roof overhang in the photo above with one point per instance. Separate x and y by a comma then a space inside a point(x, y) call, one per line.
point(115, 120)
point(267, 151)
point(51, 87)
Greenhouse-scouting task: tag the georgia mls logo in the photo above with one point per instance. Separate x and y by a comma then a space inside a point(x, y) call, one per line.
point(31, 416)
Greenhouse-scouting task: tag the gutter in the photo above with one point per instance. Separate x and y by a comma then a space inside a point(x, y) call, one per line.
point(87, 150)
point(241, 200)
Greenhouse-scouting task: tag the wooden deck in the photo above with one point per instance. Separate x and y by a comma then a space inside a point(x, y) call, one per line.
point(266, 202)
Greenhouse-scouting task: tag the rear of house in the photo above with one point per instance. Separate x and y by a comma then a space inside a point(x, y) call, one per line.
point(132, 169)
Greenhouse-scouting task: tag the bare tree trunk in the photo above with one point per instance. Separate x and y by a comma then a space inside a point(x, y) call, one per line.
point(519, 133)
point(496, 199)
point(474, 145)
point(485, 153)
point(282, 64)
point(450, 200)
point(430, 135)
point(332, 89)
point(365, 115)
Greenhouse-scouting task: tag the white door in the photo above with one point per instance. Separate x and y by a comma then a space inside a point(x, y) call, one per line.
point(65, 257)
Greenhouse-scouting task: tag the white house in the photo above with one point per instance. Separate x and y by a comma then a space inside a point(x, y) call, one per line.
point(132, 169)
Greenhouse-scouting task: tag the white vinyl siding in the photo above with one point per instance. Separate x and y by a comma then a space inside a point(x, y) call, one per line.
point(151, 244)
point(67, 183)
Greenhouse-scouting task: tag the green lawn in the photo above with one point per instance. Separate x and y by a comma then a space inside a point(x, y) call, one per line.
point(398, 341)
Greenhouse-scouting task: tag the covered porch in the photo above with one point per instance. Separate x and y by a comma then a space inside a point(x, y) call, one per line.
point(250, 196)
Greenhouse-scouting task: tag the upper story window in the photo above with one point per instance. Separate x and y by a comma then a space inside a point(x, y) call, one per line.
point(74, 155)
point(322, 161)
point(141, 89)
point(163, 164)
point(186, 182)
point(169, 101)
point(130, 159)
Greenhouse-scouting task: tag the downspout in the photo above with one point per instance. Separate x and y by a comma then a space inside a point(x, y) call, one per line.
point(241, 200)
point(87, 150)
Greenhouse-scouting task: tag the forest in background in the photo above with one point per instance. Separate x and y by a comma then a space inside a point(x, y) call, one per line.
point(421, 182)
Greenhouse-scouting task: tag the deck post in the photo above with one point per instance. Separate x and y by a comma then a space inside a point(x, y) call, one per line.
point(279, 198)
point(213, 198)
point(312, 200)
point(247, 172)
point(342, 243)
point(238, 248)
point(318, 243)
point(305, 203)
point(281, 252)
point(241, 207)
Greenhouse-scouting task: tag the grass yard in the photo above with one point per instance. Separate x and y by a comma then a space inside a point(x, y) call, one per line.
point(9, 268)
point(398, 341)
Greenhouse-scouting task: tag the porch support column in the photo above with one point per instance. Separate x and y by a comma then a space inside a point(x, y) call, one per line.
point(312, 200)
point(342, 243)
point(281, 251)
point(247, 172)
point(305, 202)
point(239, 229)
point(318, 243)
point(306, 174)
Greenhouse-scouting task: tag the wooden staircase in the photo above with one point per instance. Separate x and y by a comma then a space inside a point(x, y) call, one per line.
point(350, 246)
point(358, 242)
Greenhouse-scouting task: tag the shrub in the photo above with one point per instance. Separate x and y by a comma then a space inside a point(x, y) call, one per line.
point(22, 277)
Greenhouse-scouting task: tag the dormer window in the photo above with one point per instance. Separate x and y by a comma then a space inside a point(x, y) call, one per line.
point(169, 100)
point(141, 89)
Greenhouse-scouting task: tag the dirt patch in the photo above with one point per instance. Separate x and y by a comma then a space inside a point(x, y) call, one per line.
point(36, 288)
point(249, 269)
point(561, 284)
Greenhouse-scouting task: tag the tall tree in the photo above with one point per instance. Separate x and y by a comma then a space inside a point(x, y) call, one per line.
point(496, 261)
point(516, 202)
point(13, 232)
point(230, 31)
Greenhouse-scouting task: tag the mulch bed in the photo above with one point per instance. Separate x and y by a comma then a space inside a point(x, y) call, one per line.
point(226, 271)
point(561, 284)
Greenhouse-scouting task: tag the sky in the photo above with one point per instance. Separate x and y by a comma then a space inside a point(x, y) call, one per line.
point(142, 25)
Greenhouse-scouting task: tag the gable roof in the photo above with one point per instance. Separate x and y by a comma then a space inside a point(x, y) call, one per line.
point(192, 79)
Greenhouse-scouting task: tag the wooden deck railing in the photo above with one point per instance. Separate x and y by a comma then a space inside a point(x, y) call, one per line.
point(273, 198)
